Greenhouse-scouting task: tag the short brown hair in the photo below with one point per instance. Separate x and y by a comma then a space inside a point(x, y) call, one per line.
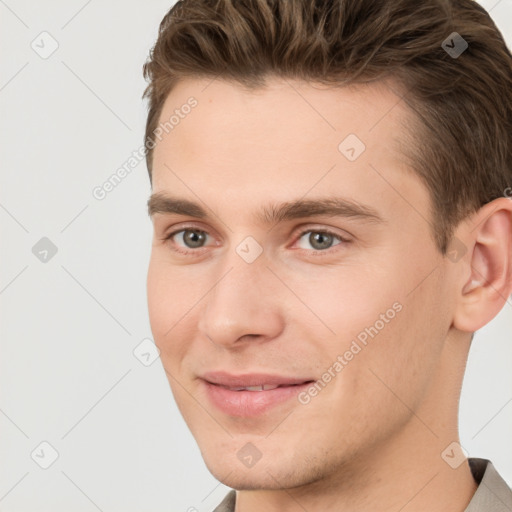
point(463, 104)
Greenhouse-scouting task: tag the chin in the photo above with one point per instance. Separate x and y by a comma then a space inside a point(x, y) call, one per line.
point(274, 473)
point(248, 479)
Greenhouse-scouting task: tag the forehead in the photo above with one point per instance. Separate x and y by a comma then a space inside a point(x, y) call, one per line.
point(292, 119)
point(284, 139)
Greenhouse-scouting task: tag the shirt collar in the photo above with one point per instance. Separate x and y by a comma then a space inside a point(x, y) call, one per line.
point(493, 493)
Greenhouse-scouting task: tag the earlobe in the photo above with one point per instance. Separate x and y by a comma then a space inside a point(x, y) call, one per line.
point(489, 266)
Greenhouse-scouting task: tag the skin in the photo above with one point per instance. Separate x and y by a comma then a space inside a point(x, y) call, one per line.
point(373, 438)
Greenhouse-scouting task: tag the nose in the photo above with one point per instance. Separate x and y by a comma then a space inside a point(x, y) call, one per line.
point(244, 305)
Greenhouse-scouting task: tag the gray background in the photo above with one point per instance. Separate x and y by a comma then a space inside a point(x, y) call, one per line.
point(69, 326)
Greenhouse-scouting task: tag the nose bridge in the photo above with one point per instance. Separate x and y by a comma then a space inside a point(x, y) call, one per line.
point(243, 299)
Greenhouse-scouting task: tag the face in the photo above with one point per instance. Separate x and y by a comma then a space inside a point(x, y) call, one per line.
point(344, 309)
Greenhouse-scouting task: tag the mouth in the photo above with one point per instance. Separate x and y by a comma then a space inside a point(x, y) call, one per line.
point(253, 380)
point(262, 387)
point(251, 395)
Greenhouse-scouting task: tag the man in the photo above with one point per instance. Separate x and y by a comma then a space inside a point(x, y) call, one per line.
point(332, 224)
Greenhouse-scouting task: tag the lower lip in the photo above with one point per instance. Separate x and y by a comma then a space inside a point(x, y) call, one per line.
point(250, 403)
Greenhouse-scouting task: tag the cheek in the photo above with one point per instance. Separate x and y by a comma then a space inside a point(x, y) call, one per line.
point(397, 365)
point(173, 297)
point(391, 339)
point(169, 294)
point(367, 397)
point(158, 298)
point(346, 304)
point(166, 305)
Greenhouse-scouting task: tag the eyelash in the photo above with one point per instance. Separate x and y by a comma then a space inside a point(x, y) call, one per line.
point(328, 251)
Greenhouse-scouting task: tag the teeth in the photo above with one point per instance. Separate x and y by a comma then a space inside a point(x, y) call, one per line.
point(263, 387)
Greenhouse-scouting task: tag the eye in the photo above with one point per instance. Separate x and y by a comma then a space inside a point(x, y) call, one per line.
point(191, 237)
point(321, 240)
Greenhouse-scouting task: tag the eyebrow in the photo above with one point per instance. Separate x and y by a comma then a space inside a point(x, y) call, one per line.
point(271, 213)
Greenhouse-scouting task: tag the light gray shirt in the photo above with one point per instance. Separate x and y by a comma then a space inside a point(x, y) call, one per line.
point(492, 495)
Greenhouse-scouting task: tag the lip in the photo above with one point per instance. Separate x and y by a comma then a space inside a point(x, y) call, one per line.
point(250, 403)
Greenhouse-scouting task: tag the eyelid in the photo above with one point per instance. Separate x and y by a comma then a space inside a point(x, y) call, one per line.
point(180, 227)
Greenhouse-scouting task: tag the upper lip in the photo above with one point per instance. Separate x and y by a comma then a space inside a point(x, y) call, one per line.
point(251, 379)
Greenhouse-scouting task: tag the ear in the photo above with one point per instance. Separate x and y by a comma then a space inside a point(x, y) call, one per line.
point(485, 282)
